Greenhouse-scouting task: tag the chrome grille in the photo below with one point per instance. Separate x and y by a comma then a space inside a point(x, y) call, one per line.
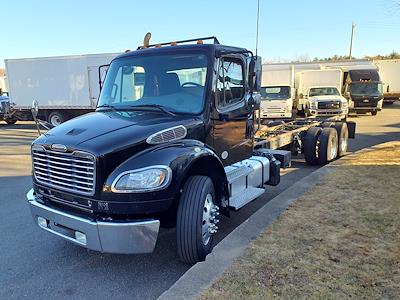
point(329, 105)
point(73, 172)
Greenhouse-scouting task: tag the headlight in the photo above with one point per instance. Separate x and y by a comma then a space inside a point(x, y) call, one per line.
point(142, 180)
point(313, 105)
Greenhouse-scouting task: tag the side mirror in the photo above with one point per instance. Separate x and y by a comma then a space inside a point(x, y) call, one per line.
point(255, 72)
point(35, 109)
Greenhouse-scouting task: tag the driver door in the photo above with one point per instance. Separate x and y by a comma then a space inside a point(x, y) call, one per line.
point(232, 123)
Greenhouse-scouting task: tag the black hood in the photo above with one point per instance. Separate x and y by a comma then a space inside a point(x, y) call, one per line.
point(111, 132)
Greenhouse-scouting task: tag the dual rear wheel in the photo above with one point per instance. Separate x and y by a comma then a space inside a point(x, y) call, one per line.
point(323, 145)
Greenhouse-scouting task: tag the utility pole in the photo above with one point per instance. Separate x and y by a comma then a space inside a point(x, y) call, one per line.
point(353, 25)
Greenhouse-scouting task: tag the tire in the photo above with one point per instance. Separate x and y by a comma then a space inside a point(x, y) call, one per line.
point(343, 137)
point(327, 146)
point(310, 144)
point(374, 113)
point(11, 120)
point(56, 118)
point(193, 241)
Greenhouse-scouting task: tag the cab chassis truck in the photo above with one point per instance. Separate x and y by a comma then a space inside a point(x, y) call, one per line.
point(177, 149)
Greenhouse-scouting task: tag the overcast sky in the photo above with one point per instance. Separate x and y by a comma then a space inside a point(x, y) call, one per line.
point(288, 29)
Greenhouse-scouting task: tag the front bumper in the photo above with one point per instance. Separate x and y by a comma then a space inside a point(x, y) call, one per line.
point(103, 236)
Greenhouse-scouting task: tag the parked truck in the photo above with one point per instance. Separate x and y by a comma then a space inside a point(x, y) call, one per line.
point(362, 87)
point(318, 93)
point(172, 143)
point(65, 86)
point(277, 93)
point(389, 71)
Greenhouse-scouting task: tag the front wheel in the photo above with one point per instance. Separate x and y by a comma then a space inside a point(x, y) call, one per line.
point(196, 219)
point(374, 113)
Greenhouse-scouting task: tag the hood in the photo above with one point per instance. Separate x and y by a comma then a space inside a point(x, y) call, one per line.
point(327, 98)
point(111, 132)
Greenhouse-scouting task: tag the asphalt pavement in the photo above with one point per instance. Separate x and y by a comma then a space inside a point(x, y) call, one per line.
point(37, 265)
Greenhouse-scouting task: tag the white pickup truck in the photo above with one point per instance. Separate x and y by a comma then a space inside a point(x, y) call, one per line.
point(325, 101)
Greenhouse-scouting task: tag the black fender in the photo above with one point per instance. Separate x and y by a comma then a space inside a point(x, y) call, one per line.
point(184, 158)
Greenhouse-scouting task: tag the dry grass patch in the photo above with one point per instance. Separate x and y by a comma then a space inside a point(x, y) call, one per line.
point(340, 240)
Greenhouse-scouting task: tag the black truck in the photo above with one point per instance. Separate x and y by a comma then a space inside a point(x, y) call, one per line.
point(170, 143)
point(363, 90)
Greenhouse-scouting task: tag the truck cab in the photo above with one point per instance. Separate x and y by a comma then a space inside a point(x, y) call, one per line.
point(276, 101)
point(363, 90)
point(322, 101)
point(170, 143)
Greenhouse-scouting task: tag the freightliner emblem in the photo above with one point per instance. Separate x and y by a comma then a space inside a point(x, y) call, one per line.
point(59, 148)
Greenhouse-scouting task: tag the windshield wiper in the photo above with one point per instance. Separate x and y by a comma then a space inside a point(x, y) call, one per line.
point(111, 107)
point(159, 107)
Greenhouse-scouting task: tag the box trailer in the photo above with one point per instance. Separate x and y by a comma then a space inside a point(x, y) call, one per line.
point(65, 86)
point(389, 71)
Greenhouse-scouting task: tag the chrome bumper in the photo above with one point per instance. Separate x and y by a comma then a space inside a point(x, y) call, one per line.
point(111, 237)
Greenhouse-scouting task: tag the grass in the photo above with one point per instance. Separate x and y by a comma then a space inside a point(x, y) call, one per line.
point(340, 240)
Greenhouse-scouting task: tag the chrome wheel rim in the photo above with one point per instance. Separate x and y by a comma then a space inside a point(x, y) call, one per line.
point(343, 145)
point(210, 212)
point(55, 120)
point(333, 151)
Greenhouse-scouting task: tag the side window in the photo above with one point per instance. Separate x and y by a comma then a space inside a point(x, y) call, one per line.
point(230, 82)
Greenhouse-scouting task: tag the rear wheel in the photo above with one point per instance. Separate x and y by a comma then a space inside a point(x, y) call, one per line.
point(196, 219)
point(56, 118)
point(310, 145)
point(343, 137)
point(327, 146)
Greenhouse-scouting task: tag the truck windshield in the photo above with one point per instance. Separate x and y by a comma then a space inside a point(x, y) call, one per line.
point(275, 93)
point(174, 82)
point(366, 88)
point(324, 91)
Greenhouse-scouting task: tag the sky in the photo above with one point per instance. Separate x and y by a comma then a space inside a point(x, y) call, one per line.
point(288, 30)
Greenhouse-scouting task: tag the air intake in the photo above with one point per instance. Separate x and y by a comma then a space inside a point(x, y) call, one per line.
point(167, 135)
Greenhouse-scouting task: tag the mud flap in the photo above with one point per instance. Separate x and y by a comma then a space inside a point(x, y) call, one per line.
point(352, 129)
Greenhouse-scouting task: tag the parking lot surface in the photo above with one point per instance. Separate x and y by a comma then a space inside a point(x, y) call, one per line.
point(36, 265)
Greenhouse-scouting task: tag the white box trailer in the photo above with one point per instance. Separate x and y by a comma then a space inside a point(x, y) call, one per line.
point(389, 71)
point(277, 93)
point(306, 79)
point(64, 86)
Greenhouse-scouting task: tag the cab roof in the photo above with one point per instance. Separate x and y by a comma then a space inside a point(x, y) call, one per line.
point(215, 49)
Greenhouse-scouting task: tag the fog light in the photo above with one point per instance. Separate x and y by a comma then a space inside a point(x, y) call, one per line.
point(42, 222)
point(80, 237)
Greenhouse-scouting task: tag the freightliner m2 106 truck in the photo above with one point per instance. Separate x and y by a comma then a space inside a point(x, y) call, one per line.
point(171, 141)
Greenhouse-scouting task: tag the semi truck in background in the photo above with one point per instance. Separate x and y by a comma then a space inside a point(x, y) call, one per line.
point(65, 86)
point(318, 93)
point(389, 71)
point(277, 93)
